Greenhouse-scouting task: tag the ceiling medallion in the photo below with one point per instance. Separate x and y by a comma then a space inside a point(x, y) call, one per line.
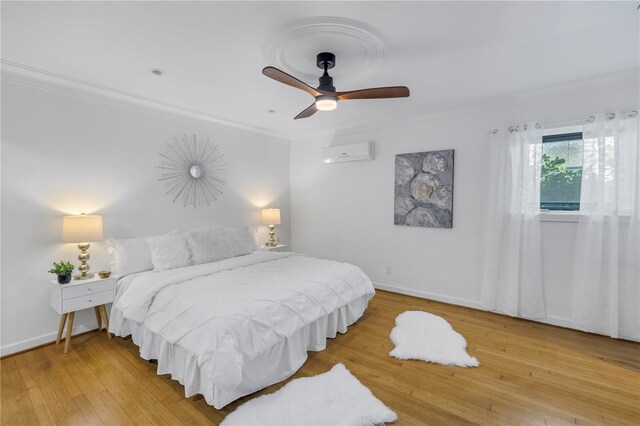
point(193, 171)
point(363, 48)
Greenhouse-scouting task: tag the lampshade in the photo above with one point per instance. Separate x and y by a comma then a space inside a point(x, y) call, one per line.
point(271, 216)
point(82, 229)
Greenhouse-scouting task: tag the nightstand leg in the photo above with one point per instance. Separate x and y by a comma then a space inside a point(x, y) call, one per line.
point(98, 319)
point(67, 342)
point(105, 319)
point(63, 319)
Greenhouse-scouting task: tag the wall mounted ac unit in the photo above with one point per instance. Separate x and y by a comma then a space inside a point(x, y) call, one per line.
point(351, 152)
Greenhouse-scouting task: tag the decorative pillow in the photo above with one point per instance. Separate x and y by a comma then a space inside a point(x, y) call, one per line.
point(130, 255)
point(242, 240)
point(169, 251)
point(215, 243)
point(208, 244)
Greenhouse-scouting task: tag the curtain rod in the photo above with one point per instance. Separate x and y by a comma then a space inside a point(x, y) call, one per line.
point(590, 119)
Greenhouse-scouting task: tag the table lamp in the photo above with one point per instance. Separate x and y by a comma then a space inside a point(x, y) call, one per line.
point(271, 218)
point(82, 229)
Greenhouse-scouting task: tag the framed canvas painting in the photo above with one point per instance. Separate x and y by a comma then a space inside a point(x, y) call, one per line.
point(424, 189)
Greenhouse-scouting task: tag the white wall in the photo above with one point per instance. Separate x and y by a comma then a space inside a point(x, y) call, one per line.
point(344, 211)
point(63, 154)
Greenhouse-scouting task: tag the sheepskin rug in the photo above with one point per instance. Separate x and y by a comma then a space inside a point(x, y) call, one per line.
point(332, 398)
point(427, 337)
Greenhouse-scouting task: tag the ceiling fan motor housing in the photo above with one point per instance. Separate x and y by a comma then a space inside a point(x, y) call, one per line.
point(326, 61)
point(326, 83)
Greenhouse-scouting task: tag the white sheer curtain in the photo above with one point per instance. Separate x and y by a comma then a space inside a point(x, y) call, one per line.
point(512, 279)
point(606, 283)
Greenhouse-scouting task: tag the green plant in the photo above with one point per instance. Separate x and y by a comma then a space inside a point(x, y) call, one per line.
point(559, 183)
point(61, 268)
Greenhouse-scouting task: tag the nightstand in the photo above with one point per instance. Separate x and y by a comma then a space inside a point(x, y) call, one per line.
point(279, 247)
point(66, 299)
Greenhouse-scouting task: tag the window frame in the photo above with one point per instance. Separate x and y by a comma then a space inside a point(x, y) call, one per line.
point(562, 135)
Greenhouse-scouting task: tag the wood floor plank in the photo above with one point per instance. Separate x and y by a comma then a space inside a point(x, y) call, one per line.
point(43, 371)
point(21, 394)
point(136, 387)
point(118, 397)
point(9, 412)
point(529, 373)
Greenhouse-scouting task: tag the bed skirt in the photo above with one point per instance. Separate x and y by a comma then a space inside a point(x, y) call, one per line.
point(273, 366)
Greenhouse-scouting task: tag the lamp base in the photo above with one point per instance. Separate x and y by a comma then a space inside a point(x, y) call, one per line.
point(83, 277)
point(84, 266)
point(273, 240)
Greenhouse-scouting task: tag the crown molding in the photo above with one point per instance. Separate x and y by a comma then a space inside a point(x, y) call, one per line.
point(478, 105)
point(45, 80)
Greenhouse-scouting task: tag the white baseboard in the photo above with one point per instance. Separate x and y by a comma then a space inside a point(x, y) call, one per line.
point(557, 321)
point(430, 296)
point(45, 338)
point(83, 328)
point(560, 322)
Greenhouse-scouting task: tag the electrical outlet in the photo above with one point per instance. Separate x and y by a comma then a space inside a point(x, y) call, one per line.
point(387, 270)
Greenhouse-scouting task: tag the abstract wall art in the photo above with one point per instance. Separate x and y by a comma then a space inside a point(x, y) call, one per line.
point(193, 171)
point(424, 189)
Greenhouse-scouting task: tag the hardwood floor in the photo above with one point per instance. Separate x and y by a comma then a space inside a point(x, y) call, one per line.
point(529, 373)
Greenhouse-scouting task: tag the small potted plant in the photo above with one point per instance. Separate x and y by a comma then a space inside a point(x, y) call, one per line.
point(63, 270)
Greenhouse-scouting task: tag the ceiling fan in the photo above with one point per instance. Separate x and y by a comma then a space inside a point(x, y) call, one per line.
point(325, 94)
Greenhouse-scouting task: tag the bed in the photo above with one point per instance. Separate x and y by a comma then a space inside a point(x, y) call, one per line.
point(228, 328)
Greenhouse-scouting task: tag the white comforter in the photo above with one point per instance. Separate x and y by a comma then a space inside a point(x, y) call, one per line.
point(225, 311)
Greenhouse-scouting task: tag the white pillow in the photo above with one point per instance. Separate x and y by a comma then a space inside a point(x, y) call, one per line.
point(215, 243)
point(169, 251)
point(242, 240)
point(129, 255)
point(208, 244)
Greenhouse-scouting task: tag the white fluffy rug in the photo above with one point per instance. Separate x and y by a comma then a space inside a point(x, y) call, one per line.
point(332, 398)
point(426, 337)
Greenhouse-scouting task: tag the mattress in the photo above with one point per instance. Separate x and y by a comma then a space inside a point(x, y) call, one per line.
point(230, 328)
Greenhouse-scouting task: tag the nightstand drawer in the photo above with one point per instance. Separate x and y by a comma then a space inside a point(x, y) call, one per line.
point(87, 301)
point(86, 289)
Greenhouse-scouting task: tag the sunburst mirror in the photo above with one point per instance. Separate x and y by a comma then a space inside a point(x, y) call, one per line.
point(193, 171)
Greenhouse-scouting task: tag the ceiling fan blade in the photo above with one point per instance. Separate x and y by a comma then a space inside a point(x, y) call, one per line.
point(289, 80)
point(375, 93)
point(307, 112)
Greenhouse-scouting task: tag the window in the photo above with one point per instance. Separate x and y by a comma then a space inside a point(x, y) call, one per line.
point(561, 174)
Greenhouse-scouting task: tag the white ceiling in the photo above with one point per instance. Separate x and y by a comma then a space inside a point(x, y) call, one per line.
point(448, 53)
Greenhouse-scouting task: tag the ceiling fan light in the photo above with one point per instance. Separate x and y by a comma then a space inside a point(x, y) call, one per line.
point(326, 103)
